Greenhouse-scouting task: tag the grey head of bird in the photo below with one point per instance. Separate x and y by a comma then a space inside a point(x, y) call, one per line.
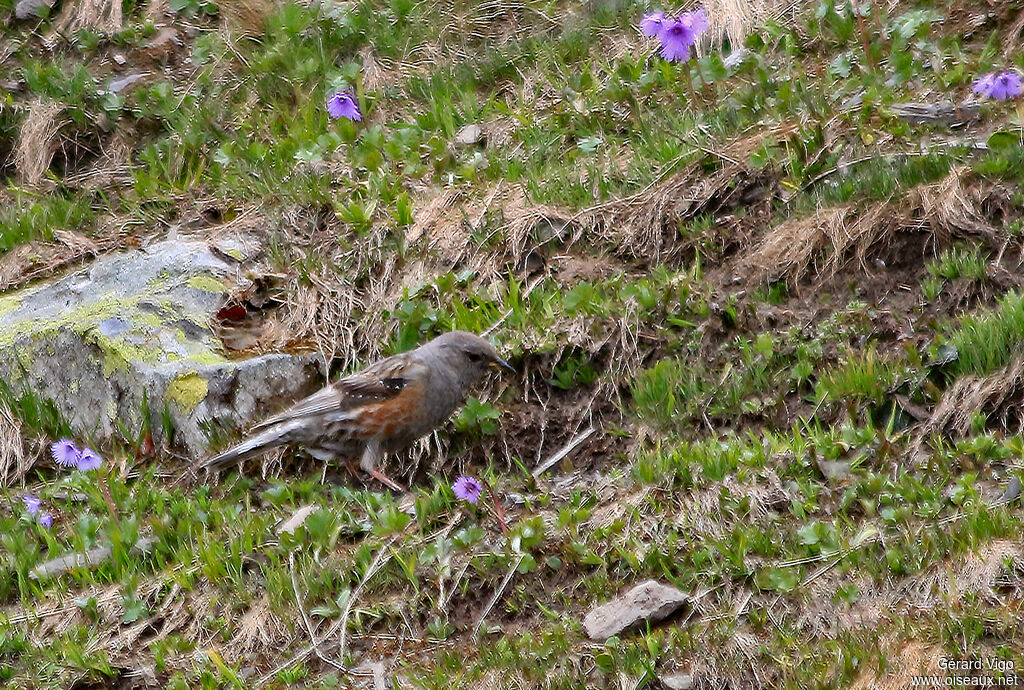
point(466, 354)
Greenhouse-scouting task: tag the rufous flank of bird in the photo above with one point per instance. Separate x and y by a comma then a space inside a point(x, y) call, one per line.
point(381, 409)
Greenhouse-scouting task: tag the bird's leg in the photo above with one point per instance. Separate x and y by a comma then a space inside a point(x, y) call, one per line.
point(384, 479)
point(368, 463)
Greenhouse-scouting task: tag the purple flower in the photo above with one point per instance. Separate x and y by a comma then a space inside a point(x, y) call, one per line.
point(31, 504)
point(652, 24)
point(343, 104)
point(65, 453)
point(1002, 86)
point(468, 489)
point(697, 21)
point(676, 40)
point(46, 520)
point(89, 460)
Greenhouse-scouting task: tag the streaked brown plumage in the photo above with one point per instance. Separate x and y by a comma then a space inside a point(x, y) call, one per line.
point(381, 409)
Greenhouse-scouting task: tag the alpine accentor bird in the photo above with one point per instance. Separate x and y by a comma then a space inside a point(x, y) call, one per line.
point(381, 409)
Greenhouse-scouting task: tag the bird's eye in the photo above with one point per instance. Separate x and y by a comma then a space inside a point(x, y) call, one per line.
point(474, 356)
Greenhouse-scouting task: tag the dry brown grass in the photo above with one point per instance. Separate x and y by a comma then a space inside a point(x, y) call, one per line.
point(737, 19)
point(14, 463)
point(997, 395)
point(247, 17)
point(102, 16)
point(38, 141)
point(909, 660)
point(39, 259)
point(831, 238)
point(645, 225)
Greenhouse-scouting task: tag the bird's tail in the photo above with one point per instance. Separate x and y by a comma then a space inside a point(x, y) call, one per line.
point(275, 436)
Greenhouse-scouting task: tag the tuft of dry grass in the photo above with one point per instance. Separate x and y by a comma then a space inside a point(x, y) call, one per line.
point(829, 239)
point(13, 461)
point(37, 141)
point(997, 394)
point(247, 17)
point(102, 16)
point(35, 260)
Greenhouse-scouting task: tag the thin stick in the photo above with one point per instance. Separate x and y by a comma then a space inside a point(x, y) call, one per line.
point(565, 451)
point(865, 44)
point(498, 593)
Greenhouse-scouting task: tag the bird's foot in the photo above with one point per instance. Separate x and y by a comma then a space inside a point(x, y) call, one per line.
point(386, 481)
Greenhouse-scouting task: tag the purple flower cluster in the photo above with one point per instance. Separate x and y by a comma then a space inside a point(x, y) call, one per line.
point(66, 454)
point(32, 507)
point(1000, 86)
point(343, 104)
point(677, 34)
point(468, 489)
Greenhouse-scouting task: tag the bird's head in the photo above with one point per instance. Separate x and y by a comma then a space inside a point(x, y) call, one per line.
point(468, 353)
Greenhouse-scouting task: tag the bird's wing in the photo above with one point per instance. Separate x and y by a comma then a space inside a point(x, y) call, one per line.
point(377, 383)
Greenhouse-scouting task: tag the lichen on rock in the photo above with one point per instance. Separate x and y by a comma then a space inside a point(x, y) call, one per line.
point(135, 327)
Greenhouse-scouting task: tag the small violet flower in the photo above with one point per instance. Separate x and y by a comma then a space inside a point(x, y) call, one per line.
point(676, 40)
point(46, 520)
point(88, 460)
point(1001, 86)
point(31, 504)
point(677, 35)
point(343, 104)
point(652, 24)
point(468, 489)
point(65, 453)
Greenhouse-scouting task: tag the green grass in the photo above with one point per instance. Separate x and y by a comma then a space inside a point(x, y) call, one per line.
point(989, 339)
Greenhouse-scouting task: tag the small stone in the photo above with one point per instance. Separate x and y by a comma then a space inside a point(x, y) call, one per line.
point(32, 8)
point(470, 135)
point(1012, 491)
point(120, 85)
point(86, 559)
point(119, 59)
point(296, 521)
point(648, 601)
point(677, 681)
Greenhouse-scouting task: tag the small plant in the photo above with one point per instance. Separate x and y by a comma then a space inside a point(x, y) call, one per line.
point(931, 287)
point(958, 263)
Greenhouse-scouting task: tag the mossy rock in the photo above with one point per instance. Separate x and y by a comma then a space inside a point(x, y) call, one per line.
point(130, 334)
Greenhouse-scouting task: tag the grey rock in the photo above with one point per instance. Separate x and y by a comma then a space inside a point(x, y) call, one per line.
point(470, 135)
point(648, 601)
point(119, 85)
point(677, 681)
point(132, 332)
point(296, 520)
point(86, 559)
point(24, 9)
point(1012, 491)
point(943, 112)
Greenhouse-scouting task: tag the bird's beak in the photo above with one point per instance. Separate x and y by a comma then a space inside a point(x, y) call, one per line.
point(502, 363)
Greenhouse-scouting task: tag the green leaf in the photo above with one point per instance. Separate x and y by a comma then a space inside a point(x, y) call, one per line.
point(1004, 141)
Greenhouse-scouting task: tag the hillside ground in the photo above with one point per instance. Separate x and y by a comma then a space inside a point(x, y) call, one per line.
point(764, 307)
